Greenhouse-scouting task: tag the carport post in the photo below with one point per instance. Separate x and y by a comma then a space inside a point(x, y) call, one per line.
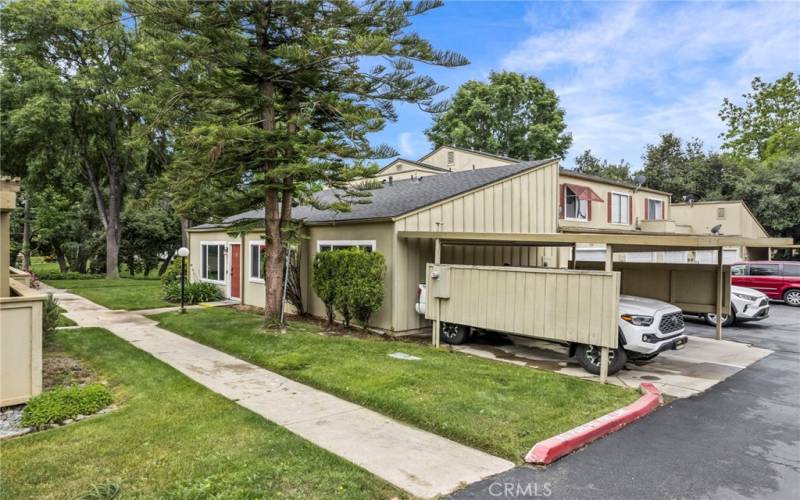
point(573, 257)
point(604, 350)
point(437, 259)
point(720, 287)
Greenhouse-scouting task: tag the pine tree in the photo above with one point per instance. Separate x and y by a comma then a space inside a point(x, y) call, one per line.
point(281, 98)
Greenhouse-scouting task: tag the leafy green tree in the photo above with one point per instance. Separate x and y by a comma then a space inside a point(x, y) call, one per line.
point(151, 229)
point(65, 76)
point(686, 168)
point(513, 115)
point(272, 99)
point(587, 163)
point(771, 189)
point(767, 123)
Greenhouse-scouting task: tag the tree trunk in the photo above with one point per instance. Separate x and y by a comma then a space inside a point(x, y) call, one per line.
point(165, 264)
point(131, 265)
point(26, 235)
point(185, 223)
point(62, 259)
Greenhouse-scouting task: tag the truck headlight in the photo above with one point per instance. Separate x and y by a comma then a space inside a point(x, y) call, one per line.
point(744, 296)
point(638, 320)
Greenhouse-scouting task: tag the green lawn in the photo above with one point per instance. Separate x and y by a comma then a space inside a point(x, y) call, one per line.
point(501, 408)
point(63, 320)
point(171, 438)
point(122, 293)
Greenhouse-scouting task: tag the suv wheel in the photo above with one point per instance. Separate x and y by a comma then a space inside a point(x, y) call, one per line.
point(589, 358)
point(792, 297)
point(453, 334)
point(727, 319)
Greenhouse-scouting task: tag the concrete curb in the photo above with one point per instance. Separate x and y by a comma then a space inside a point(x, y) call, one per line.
point(550, 450)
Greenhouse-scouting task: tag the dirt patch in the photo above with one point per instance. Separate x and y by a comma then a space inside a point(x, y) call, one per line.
point(60, 369)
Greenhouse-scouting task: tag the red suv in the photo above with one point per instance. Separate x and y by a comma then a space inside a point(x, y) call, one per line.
point(778, 280)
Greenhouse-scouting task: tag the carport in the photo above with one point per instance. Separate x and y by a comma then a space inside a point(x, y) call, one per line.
point(459, 290)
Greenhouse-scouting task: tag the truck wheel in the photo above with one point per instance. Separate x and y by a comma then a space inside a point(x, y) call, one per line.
point(453, 334)
point(792, 297)
point(727, 319)
point(589, 358)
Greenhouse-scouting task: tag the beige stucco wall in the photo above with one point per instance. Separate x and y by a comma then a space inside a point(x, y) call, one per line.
point(382, 234)
point(400, 169)
point(599, 219)
point(462, 160)
point(405, 174)
point(196, 238)
point(737, 220)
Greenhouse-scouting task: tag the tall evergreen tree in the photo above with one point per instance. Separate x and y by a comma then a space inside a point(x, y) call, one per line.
point(281, 98)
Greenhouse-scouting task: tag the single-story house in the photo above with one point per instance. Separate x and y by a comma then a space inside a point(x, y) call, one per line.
point(462, 191)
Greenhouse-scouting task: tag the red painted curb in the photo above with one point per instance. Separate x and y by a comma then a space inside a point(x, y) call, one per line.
point(550, 450)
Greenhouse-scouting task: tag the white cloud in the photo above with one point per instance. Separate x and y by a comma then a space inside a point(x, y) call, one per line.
point(412, 145)
point(635, 70)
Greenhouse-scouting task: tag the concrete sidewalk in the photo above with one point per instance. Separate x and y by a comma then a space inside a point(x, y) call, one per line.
point(421, 463)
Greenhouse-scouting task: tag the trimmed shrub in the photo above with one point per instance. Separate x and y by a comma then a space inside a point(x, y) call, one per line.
point(324, 281)
point(173, 272)
point(351, 282)
point(51, 316)
point(69, 275)
point(64, 403)
point(193, 293)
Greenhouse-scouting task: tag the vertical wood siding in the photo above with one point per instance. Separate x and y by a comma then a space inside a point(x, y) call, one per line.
point(522, 204)
point(553, 304)
point(525, 203)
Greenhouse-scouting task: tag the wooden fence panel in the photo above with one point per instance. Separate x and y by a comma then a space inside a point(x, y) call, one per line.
point(554, 304)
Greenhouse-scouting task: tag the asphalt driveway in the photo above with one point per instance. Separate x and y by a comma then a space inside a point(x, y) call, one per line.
point(738, 439)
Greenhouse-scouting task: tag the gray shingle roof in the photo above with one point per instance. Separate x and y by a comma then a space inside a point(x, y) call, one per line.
point(400, 198)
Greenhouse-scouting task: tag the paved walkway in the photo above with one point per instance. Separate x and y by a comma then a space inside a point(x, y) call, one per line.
point(421, 463)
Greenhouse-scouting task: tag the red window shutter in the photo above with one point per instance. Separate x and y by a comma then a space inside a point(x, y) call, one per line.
point(560, 201)
point(630, 209)
point(645, 209)
point(609, 207)
point(589, 209)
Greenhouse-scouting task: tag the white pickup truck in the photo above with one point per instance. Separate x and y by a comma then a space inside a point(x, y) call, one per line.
point(647, 327)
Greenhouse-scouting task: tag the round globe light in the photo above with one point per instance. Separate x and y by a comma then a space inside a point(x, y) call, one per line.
point(183, 252)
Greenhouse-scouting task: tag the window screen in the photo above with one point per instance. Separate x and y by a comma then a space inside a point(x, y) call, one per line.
point(213, 262)
point(619, 209)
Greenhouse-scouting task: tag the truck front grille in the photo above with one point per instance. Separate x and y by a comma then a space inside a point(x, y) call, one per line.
point(671, 322)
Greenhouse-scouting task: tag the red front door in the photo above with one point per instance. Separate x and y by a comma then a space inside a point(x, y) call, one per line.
point(236, 266)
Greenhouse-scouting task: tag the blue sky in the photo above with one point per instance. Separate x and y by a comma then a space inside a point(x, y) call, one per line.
point(625, 71)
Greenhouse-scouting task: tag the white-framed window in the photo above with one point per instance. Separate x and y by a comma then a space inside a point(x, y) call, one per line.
point(212, 261)
point(257, 249)
point(574, 207)
point(451, 157)
point(620, 208)
point(328, 245)
point(655, 209)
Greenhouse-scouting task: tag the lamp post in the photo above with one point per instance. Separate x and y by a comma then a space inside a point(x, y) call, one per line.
point(183, 252)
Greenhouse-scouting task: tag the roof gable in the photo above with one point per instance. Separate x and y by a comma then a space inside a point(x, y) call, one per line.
point(471, 151)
